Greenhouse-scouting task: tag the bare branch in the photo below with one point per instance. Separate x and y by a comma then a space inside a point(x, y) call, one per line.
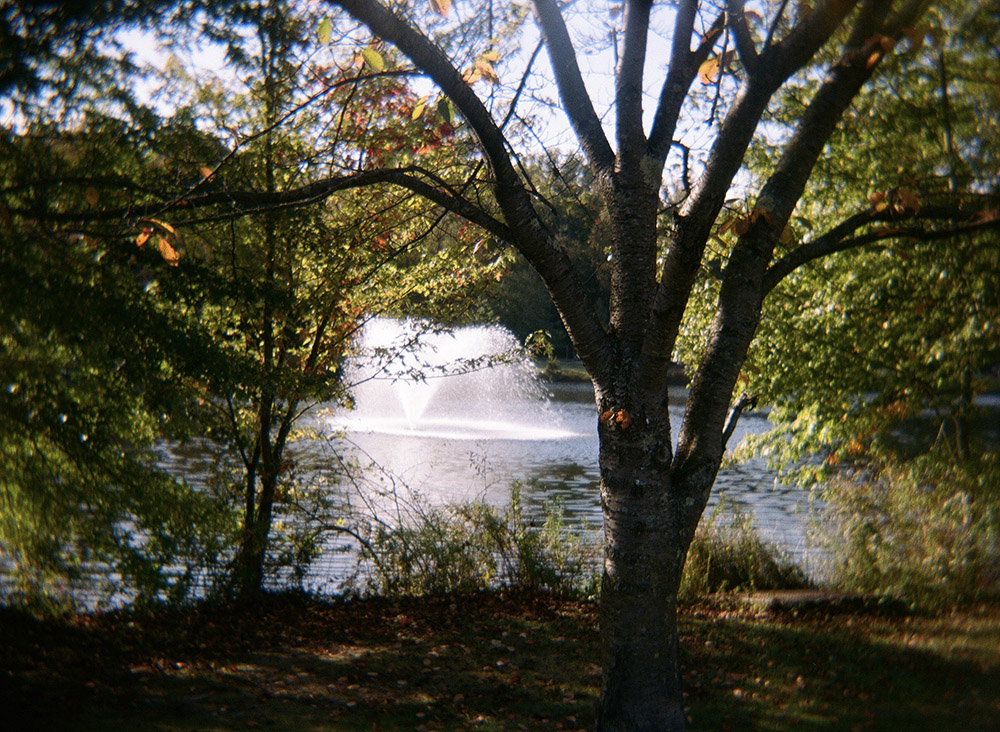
point(628, 82)
point(242, 203)
point(684, 65)
point(742, 404)
point(573, 92)
point(741, 35)
point(526, 229)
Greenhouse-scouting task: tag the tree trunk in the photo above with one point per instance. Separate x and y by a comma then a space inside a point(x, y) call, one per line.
point(647, 534)
point(248, 568)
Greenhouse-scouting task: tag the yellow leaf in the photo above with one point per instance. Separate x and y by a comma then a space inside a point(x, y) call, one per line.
point(442, 7)
point(324, 31)
point(444, 109)
point(492, 56)
point(169, 242)
point(374, 59)
point(419, 109)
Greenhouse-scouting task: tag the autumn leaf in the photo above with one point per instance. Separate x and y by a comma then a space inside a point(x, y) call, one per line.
point(907, 200)
point(169, 242)
point(708, 72)
point(419, 109)
point(878, 200)
point(170, 255)
point(485, 68)
point(374, 59)
point(324, 31)
point(442, 7)
point(91, 196)
point(607, 416)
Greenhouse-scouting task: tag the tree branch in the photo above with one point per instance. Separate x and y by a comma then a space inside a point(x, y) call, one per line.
point(684, 65)
point(572, 91)
point(742, 404)
point(628, 83)
point(741, 36)
point(242, 203)
point(839, 239)
point(741, 294)
point(527, 232)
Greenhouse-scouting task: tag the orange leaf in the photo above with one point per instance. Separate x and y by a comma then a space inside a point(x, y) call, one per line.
point(915, 37)
point(143, 236)
point(708, 72)
point(170, 255)
point(907, 200)
point(485, 68)
point(442, 7)
point(607, 416)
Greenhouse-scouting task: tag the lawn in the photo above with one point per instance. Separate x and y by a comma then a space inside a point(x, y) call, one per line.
point(489, 662)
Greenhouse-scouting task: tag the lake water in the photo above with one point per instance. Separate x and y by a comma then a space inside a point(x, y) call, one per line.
point(455, 457)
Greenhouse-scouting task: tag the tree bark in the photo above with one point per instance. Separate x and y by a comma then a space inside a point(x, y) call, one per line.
point(649, 521)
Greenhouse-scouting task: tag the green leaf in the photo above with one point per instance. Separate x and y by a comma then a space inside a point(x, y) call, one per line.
point(445, 109)
point(324, 31)
point(374, 59)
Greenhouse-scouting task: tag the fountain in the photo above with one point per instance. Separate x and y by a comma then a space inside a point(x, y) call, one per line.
point(470, 383)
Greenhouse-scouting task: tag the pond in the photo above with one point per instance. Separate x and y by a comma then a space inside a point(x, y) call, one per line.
point(462, 453)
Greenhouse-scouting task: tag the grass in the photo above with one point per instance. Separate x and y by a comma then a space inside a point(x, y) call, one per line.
point(489, 661)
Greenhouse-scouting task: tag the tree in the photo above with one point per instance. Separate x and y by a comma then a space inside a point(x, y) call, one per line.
point(727, 65)
point(287, 289)
point(89, 364)
point(923, 313)
point(230, 315)
point(654, 491)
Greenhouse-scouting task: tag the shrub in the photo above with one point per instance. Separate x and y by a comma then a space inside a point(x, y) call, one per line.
point(727, 554)
point(927, 532)
point(476, 546)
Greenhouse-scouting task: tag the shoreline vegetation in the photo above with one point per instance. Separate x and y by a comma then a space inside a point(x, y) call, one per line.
point(500, 660)
point(572, 371)
point(760, 649)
